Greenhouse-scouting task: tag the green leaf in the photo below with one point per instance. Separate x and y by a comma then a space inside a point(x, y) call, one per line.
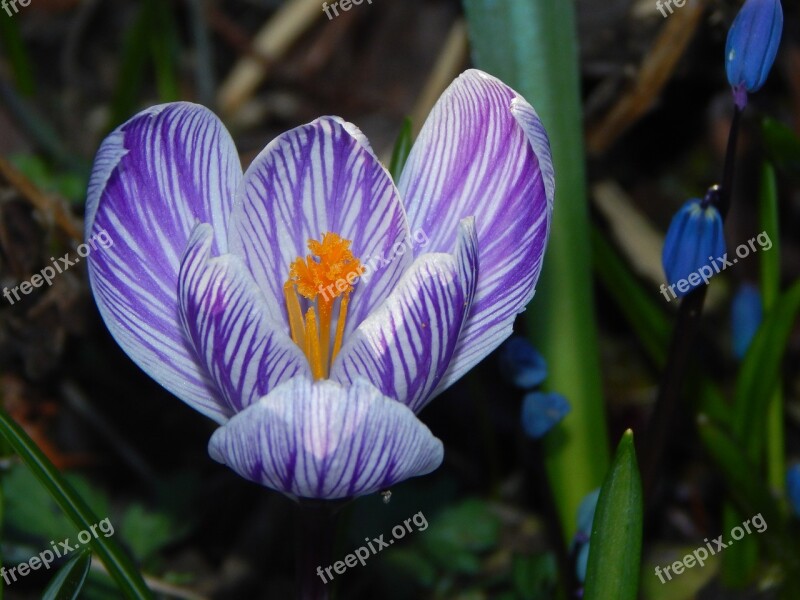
point(146, 532)
point(761, 370)
point(532, 46)
point(616, 541)
point(13, 46)
point(402, 148)
point(645, 317)
point(535, 576)
point(459, 533)
point(782, 146)
point(32, 510)
point(68, 582)
point(119, 566)
point(752, 497)
point(770, 288)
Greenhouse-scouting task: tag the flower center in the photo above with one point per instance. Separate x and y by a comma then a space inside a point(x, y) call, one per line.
point(323, 276)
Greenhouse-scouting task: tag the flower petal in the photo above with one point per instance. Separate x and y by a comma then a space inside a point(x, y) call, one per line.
point(483, 152)
point(153, 179)
point(405, 346)
point(225, 319)
point(323, 440)
point(313, 179)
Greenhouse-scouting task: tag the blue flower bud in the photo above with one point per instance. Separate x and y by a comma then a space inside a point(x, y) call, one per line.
point(746, 315)
point(694, 243)
point(752, 44)
point(581, 563)
point(522, 364)
point(586, 513)
point(793, 488)
point(542, 411)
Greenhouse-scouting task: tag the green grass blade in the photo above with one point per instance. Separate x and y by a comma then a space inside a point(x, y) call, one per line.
point(14, 48)
point(616, 541)
point(164, 48)
point(119, 566)
point(761, 371)
point(532, 46)
point(402, 148)
point(69, 580)
point(770, 288)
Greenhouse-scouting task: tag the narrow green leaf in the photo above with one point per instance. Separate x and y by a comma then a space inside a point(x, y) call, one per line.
point(402, 148)
point(130, 74)
point(164, 48)
point(752, 498)
point(760, 372)
point(616, 541)
point(532, 46)
point(14, 48)
point(770, 288)
point(648, 321)
point(119, 566)
point(782, 146)
point(69, 580)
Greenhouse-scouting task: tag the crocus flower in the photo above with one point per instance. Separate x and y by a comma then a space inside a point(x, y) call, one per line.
point(751, 47)
point(747, 312)
point(240, 293)
point(541, 411)
point(521, 364)
point(693, 248)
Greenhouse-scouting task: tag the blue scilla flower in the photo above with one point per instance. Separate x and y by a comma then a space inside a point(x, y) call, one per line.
point(747, 312)
point(753, 41)
point(694, 250)
point(793, 488)
point(522, 364)
point(586, 512)
point(542, 411)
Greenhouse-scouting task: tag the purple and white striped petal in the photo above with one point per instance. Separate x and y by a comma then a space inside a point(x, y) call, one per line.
point(154, 178)
point(225, 319)
point(483, 152)
point(313, 179)
point(322, 440)
point(405, 346)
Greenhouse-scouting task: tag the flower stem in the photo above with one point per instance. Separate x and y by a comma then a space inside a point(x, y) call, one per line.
point(661, 423)
point(316, 528)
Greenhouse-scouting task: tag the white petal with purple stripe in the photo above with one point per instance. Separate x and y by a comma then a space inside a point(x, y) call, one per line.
point(313, 179)
point(483, 152)
point(154, 178)
point(405, 347)
point(225, 319)
point(322, 440)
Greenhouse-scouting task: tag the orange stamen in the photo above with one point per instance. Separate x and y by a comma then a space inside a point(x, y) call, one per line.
point(323, 276)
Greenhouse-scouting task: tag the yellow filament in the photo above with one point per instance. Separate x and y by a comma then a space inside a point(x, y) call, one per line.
point(325, 310)
point(295, 314)
point(337, 344)
point(312, 345)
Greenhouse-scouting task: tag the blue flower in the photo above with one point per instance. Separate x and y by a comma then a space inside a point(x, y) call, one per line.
point(694, 249)
point(542, 411)
point(752, 44)
point(586, 511)
point(522, 364)
point(793, 488)
point(746, 315)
